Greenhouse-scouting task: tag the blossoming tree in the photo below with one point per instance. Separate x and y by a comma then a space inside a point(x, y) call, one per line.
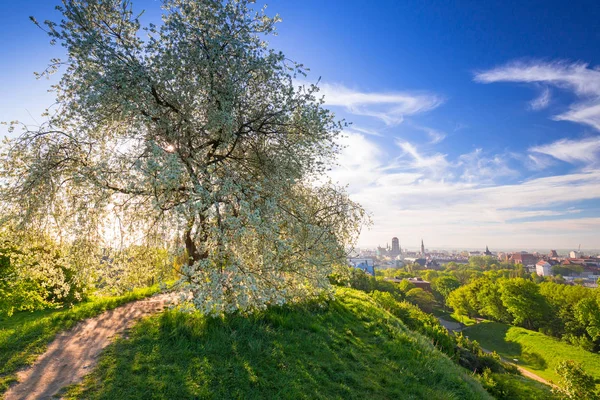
point(191, 132)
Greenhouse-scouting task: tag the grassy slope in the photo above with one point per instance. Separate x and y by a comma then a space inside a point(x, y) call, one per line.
point(25, 335)
point(534, 351)
point(350, 348)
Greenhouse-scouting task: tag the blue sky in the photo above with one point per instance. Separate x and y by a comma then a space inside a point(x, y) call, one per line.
point(474, 123)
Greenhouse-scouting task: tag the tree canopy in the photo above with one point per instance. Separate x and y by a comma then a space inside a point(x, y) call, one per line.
point(190, 134)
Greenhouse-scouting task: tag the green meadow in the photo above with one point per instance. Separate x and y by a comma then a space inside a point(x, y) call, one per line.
point(533, 351)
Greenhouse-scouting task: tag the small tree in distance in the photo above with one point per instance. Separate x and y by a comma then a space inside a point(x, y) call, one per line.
point(575, 382)
point(193, 134)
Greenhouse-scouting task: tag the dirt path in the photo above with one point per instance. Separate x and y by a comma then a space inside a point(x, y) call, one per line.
point(451, 326)
point(524, 372)
point(456, 327)
point(74, 353)
point(531, 375)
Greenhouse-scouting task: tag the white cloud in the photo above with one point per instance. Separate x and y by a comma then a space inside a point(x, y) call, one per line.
point(435, 136)
point(538, 162)
point(583, 113)
point(389, 107)
point(478, 167)
point(433, 165)
point(367, 131)
point(541, 101)
point(359, 163)
point(584, 151)
point(577, 77)
point(413, 194)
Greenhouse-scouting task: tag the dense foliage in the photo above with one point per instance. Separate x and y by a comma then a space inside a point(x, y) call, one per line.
point(37, 272)
point(564, 311)
point(504, 292)
point(576, 383)
point(190, 135)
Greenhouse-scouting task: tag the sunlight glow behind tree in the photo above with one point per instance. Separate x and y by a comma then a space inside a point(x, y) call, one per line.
point(193, 133)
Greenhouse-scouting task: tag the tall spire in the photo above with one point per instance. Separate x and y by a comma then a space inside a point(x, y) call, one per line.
point(422, 247)
point(487, 251)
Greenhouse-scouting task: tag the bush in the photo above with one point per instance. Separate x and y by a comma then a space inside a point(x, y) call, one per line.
point(358, 279)
point(417, 320)
point(575, 382)
point(421, 298)
point(510, 387)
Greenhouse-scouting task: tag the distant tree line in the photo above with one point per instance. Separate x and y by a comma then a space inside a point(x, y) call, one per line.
point(564, 311)
point(504, 292)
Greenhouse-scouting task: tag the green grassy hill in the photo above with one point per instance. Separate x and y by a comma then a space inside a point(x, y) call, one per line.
point(349, 348)
point(533, 350)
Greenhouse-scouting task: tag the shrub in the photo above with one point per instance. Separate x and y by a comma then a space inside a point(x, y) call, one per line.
point(575, 382)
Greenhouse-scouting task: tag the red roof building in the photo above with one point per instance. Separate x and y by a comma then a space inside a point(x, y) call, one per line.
point(523, 258)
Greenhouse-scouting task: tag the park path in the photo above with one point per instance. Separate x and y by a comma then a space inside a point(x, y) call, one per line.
point(74, 353)
point(524, 372)
point(457, 327)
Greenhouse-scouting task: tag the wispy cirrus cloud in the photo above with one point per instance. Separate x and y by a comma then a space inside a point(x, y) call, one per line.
point(435, 136)
point(366, 131)
point(538, 162)
point(541, 101)
point(434, 165)
point(578, 77)
point(575, 151)
point(480, 167)
point(389, 107)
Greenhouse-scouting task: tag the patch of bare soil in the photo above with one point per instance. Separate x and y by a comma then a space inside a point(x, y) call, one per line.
point(73, 353)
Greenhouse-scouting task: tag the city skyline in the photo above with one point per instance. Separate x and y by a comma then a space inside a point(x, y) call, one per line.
point(467, 137)
point(415, 247)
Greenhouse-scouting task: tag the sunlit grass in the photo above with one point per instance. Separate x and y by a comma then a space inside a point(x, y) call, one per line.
point(348, 349)
point(519, 387)
point(534, 351)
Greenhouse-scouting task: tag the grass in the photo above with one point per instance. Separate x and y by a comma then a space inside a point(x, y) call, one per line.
point(349, 348)
point(462, 319)
point(25, 335)
point(512, 387)
point(534, 351)
point(453, 317)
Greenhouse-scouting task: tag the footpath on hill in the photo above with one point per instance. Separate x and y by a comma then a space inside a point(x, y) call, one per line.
point(73, 353)
point(457, 327)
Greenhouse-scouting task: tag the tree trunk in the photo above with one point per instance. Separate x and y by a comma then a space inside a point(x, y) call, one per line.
point(192, 250)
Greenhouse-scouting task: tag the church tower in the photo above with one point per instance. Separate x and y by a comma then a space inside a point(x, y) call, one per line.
point(487, 251)
point(422, 247)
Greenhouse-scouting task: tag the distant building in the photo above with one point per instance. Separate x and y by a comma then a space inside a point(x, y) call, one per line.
point(487, 251)
point(420, 283)
point(553, 254)
point(422, 248)
point(432, 264)
point(421, 261)
point(543, 268)
point(575, 254)
point(395, 251)
point(365, 264)
point(523, 258)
